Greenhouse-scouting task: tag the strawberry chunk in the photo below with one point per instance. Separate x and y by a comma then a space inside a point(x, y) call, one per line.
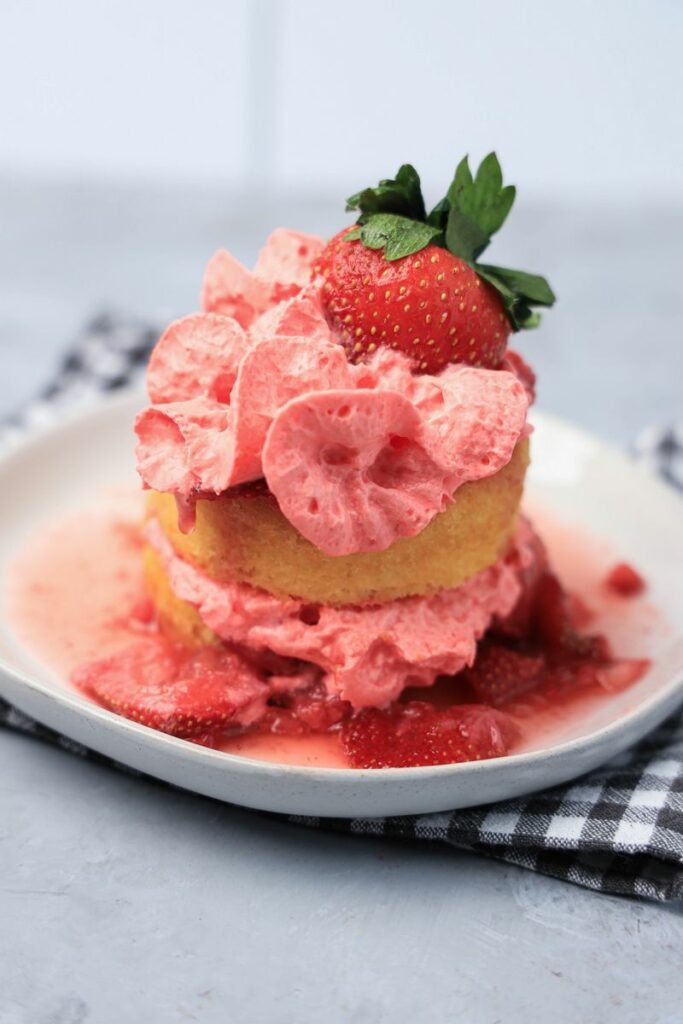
point(173, 689)
point(625, 581)
point(501, 673)
point(408, 735)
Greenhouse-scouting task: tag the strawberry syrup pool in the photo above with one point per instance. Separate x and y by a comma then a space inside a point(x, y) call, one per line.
point(76, 593)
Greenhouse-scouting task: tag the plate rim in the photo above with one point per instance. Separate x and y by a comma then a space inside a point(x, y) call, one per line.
point(671, 693)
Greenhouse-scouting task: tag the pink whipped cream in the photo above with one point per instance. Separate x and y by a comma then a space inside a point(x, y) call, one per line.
point(282, 269)
point(356, 455)
point(368, 655)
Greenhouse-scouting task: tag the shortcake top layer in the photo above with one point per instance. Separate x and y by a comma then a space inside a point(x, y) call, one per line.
point(356, 455)
point(243, 537)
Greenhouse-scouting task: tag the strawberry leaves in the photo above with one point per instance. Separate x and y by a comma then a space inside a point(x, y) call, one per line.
point(398, 236)
point(401, 195)
point(464, 237)
point(520, 292)
point(477, 207)
point(393, 217)
point(536, 289)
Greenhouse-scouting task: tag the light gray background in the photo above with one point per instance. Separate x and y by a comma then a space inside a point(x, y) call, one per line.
point(580, 98)
point(123, 901)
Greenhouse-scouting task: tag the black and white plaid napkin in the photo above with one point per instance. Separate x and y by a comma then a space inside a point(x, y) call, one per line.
point(616, 830)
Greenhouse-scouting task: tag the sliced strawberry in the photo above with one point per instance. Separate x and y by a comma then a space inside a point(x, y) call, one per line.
point(501, 673)
point(407, 735)
point(625, 581)
point(173, 689)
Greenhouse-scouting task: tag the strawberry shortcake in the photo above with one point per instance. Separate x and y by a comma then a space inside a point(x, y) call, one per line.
point(334, 453)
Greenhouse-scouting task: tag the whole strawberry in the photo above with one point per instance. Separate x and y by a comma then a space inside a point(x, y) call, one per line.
point(409, 280)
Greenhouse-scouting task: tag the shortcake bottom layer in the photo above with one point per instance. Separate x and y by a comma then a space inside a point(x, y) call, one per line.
point(367, 655)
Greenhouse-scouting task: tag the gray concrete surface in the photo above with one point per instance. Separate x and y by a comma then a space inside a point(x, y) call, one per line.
point(124, 901)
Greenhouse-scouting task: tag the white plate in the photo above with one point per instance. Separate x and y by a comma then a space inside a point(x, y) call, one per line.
point(573, 475)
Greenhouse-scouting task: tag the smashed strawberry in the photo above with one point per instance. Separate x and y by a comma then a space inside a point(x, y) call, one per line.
point(413, 734)
point(613, 675)
point(501, 673)
point(625, 581)
point(580, 614)
point(188, 693)
point(553, 625)
point(539, 646)
point(572, 658)
point(311, 709)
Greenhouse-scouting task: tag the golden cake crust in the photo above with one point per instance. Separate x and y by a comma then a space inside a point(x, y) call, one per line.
point(248, 540)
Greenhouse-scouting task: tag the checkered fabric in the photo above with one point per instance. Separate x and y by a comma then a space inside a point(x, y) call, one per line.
point(616, 830)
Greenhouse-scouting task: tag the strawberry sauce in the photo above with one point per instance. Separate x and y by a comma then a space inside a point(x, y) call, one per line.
point(76, 594)
point(76, 591)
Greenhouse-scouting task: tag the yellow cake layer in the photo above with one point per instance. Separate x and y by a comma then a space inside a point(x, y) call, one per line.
point(177, 618)
point(247, 539)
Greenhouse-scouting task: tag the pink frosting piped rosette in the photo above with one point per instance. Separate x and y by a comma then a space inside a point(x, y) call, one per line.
point(349, 472)
point(356, 455)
